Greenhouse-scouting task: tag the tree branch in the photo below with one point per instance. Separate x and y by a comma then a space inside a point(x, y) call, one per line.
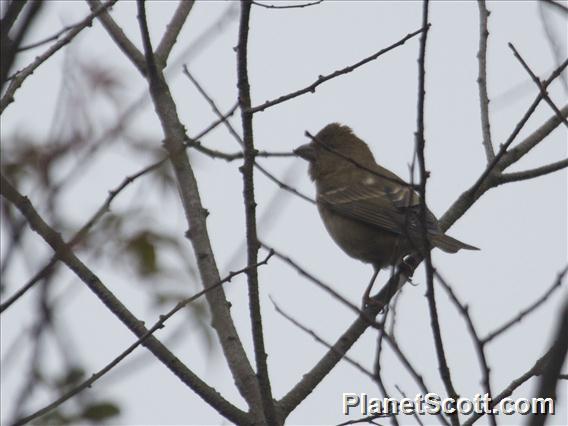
point(158, 325)
point(323, 78)
point(196, 215)
point(20, 76)
point(518, 318)
point(116, 33)
point(478, 342)
point(247, 169)
point(514, 154)
point(542, 89)
point(532, 173)
point(549, 378)
point(64, 252)
point(482, 80)
point(420, 155)
point(172, 31)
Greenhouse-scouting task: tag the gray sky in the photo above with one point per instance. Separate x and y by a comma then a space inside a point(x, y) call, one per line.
point(520, 227)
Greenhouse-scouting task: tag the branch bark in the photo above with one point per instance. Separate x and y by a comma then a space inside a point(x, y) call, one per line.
point(247, 169)
point(196, 215)
point(64, 252)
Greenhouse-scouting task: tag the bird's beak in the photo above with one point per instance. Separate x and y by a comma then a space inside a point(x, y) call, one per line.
point(306, 151)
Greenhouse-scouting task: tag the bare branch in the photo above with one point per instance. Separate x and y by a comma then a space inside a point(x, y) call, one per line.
point(559, 6)
point(18, 79)
point(532, 173)
point(419, 152)
point(478, 342)
point(158, 325)
point(539, 84)
point(550, 377)
point(196, 215)
point(64, 252)
point(482, 80)
point(323, 78)
point(9, 44)
point(318, 339)
point(468, 197)
point(84, 230)
point(516, 153)
point(319, 371)
point(247, 169)
point(536, 370)
point(238, 138)
point(116, 33)
point(172, 31)
point(291, 6)
point(378, 371)
point(518, 318)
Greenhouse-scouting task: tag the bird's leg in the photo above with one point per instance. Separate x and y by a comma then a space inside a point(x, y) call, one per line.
point(367, 295)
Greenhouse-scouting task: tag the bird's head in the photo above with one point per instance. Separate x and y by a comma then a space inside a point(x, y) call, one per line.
point(335, 148)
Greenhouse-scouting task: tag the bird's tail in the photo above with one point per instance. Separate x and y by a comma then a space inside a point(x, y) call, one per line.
point(449, 244)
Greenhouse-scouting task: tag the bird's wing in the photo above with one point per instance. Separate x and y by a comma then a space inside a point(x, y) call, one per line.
point(394, 208)
point(369, 204)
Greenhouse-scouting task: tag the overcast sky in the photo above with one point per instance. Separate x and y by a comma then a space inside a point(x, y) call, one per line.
point(521, 227)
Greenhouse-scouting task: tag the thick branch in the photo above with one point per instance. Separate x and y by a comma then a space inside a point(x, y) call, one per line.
point(516, 153)
point(64, 252)
point(158, 325)
point(532, 173)
point(172, 31)
point(549, 378)
point(116, 33)
point(252, 243)
point(196, 215)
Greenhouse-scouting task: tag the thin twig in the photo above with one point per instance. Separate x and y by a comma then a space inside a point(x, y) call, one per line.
point(327, 288)
point(290, 6)
point(539, 84)
point(415, 414)
point(478, 342)
point(537, 369)
point(65, 253)
point(529, 309)
point(84, 230)
point(323, 78)
point(482, 80)
point(500, 159)
point(158, 325)
point(24, 73)
point(420, 155)
point(378, 375)
point(239, 140)
point(247, 170)
point(318, 339)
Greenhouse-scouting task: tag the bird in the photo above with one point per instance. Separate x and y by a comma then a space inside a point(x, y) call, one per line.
point(371, 213)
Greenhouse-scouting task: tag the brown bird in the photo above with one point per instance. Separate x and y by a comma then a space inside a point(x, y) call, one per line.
point(370, 212)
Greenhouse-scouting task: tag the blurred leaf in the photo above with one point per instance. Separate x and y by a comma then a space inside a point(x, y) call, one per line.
point(54, 417)
point(98, 412)
point(142, 247)
point(70, 378)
